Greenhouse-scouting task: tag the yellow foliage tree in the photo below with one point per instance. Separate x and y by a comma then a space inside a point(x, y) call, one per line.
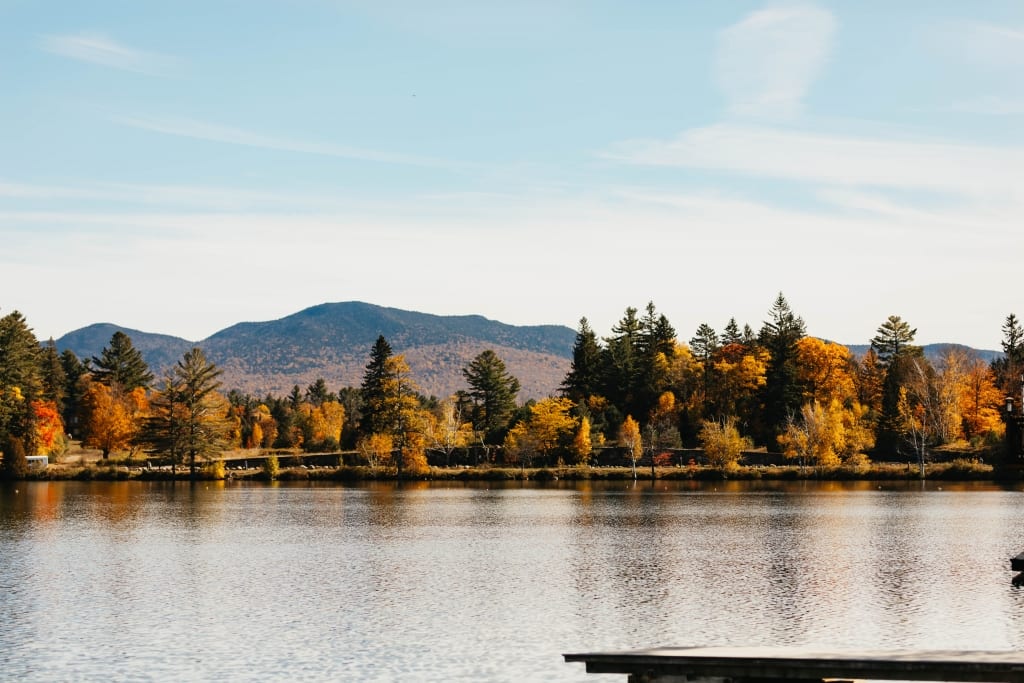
point(629, 437)
point(980, 401)
point(828, 435)
point(722, 443)
point(581, 444)
point(826, 370)
point(739, 373)
point(109, 424)
point(552, 424)
point(376, 449)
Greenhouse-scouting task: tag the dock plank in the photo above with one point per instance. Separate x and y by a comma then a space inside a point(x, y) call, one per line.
point(776, 664)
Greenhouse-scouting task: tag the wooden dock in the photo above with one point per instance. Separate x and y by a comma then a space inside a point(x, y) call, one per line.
point(768, 664)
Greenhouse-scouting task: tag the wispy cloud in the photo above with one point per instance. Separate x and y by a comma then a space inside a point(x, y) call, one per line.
point(991, 106)
point(765, 63)
point(200, 130)
point(177, 196)
point(98, 49)
point(836, 159)
point(989, 45)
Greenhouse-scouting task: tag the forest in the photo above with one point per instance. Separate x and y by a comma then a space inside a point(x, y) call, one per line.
point(640, 390)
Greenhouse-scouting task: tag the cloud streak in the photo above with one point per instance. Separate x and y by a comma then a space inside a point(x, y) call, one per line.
point(836, 160)
point(98, 49)
point(765, 64)
point(210, 132)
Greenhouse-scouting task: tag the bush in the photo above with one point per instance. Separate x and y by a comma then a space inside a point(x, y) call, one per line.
point(271, 468)
point(214, 470)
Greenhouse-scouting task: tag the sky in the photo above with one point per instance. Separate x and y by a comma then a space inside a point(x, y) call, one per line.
point(178, 167)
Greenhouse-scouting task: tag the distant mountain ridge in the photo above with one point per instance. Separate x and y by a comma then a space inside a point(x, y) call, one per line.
point(933, 352)
point(333, 341)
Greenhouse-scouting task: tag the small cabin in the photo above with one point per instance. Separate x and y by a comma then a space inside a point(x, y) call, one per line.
point(38, 462)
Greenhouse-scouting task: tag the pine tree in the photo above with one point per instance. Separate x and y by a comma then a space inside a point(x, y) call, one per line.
point(893, 339)
point(732, 334)
point(493, 390)
point(782, 394)
point(121, 364)
point(190, 419)
point(584, 376)
point(20, 381)
point(899, 357)
point(375, 380)
point(1009, 368)
point(74, 389)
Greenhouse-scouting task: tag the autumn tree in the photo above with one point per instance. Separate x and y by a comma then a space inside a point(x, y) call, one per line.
point(376, 449)
point(582, 445)
point(108, 423)
point(980, 401)
point(722, 443)
point(629, 438)
point(493, 391)
point(828, 434)
point(121, 364)
point(554, 427)
point(447, 431)
point(825, 371)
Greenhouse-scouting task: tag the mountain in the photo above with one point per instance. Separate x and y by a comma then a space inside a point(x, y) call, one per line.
point(159, 350)
point(333, 341)
point(933, 352)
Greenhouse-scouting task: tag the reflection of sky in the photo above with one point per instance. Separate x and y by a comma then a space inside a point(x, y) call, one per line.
point(488, 581)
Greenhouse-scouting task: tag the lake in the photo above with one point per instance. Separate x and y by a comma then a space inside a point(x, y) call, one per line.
point(487, 582)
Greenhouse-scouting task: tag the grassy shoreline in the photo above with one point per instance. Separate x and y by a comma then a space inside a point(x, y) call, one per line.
point(956, 470)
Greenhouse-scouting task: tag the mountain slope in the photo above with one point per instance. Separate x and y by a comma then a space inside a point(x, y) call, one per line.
point(333, 341)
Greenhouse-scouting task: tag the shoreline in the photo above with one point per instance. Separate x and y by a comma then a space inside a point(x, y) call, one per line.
point(957, 470)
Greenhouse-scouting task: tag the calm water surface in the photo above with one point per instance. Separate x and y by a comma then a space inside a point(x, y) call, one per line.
point(230, 582)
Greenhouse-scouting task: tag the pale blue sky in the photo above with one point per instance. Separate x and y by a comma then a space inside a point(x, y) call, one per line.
point(181, 166)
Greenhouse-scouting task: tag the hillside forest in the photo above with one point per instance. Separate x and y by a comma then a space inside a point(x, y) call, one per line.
point(640, 388)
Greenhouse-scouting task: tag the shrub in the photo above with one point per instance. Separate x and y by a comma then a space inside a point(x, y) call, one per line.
point(271, 468)
point(214, 470)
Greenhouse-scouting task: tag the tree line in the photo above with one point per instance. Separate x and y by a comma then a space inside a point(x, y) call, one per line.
point(640, 388)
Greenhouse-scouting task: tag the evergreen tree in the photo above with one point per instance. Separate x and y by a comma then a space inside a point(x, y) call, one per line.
point(782, 392)
point(1009, 368)
point(732, 334)
point(54, 379)
point(621, 362)
point(893, 338)
point(317, 393)
point(375, 380)
point(74, 389)
point(493, 390)
point(703, 345)
point(584, 376)
point(893, 343)
point(193, 416)
point(20, 381)
point(120, 364)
